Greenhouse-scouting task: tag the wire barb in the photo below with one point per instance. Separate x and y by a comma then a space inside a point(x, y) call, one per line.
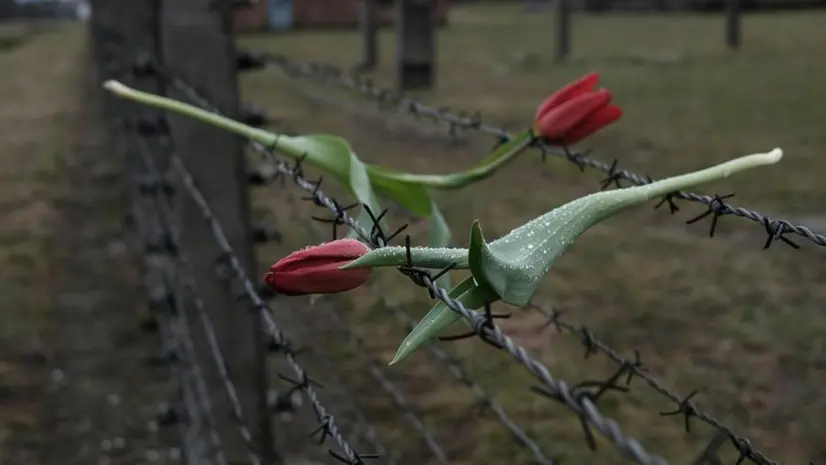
point(580, 398)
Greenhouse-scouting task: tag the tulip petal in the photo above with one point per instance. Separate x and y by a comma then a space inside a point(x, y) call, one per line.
point(316, 269)
point(341, 248)
point(568, 92)
point(556, 123)
point(317, 281)
point(596, 121)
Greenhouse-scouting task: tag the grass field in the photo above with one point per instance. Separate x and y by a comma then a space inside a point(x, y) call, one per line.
point(32, 130)
point(69, 352)
point(721, 315)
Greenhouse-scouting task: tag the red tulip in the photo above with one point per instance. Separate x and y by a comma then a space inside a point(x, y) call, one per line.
point(574, 112)
point(314, 270)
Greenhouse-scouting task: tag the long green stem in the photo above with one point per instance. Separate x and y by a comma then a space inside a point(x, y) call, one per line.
point(292, 147)
point(553, 232)
point(713, 173)
point(420, 257)
point(487, 167)
point(174, 106)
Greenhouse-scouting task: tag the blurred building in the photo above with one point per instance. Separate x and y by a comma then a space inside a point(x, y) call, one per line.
point(291, 14)
point(43, 9)
point(659, 5)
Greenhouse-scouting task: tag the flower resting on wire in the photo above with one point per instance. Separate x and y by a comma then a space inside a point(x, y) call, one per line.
point(316, 269)
point(574, 112)
point(510, 268)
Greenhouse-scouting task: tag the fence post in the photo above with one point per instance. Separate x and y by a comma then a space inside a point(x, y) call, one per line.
point(733, 14)
point(369, 34)
point(563, 30)
point(136, 23)
point(198, 46)
point(415, 44)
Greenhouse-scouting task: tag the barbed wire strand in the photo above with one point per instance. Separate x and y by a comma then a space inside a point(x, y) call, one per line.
point(576, 401)
point(329, 427)
point(453, 365)
point(181, 343)
point(188, 281)
point(389, 387)
point(478, 321)
point(775, 228)
point(368, 432)
point(684, 405)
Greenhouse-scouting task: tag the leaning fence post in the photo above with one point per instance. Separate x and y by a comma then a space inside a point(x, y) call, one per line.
point(198, 47)
point(563, 30)
point(733, 13)
point(415, 44)
point(369, 34)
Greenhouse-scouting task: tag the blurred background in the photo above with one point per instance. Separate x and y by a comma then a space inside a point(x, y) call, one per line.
point(699, 82)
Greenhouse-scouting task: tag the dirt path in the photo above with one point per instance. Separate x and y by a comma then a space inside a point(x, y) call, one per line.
point(71, 348)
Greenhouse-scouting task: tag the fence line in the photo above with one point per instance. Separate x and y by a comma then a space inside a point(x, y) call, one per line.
point(582, 399)
point(775, 228)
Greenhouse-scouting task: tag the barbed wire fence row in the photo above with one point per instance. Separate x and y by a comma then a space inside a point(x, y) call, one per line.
point(160, 173)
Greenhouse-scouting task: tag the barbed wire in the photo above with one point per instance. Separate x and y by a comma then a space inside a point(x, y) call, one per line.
point(581, 398)
point(383, 382)
point(178, 349)
point(774, 228)
point(684, 404)
point(451, 364)
point(369, 433)
point(184, 274)
point(329, 428)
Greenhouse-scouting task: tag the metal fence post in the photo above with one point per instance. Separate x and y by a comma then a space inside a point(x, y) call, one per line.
point(136, 24)
point(198, 44)
point(369, 33)
point(733, 33)
point(563, 30)
point(415, 44)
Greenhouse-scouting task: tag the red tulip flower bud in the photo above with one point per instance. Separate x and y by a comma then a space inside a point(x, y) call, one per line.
point(315, 270)
point(574, 112)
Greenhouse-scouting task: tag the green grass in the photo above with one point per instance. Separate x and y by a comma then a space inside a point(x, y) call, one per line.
point(35, 130)
point(15, 33)
point(743, 325)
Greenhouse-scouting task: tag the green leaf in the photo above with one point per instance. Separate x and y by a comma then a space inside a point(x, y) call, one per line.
point(507, 272)
point(514, 264)
point(409, 195)
point(510, 266)
point(328, 153)
point(439, 237)
point(471, 295)
point(422, 257)
point(334, 155)
point(484, 169)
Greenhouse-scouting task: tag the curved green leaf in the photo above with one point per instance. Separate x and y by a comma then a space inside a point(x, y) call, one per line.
point(334, 155)
point(422, 257)
point(411, 196)
point(439, 237)
point(506, 152)
point(470, 294)
point(514, 264)
point(510, 266)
